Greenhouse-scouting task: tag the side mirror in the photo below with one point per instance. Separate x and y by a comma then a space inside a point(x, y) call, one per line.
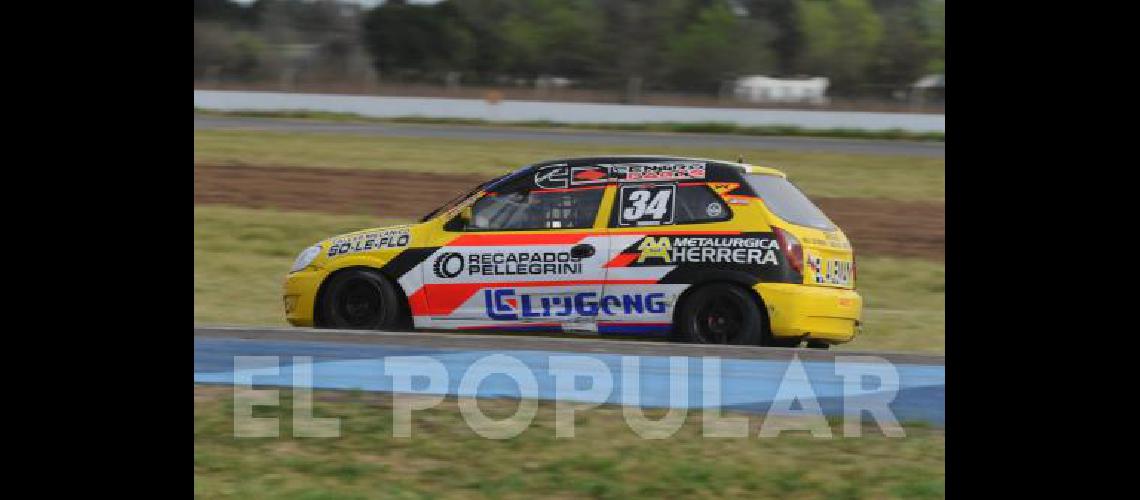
point(461, 221)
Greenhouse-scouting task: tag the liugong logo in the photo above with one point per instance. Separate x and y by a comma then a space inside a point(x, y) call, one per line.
point(505, 304)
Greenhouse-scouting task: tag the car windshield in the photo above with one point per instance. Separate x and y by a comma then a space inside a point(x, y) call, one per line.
point(788, 202)
point(489, 184)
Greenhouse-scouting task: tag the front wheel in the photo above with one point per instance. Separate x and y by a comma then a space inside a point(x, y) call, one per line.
point(720, 313)
point(359, 299)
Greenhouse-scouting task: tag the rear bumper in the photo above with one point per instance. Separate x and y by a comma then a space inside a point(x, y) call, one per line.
point(299, 296)
point(825, 314)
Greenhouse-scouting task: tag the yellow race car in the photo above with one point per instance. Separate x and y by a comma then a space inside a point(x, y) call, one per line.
point(697, 250)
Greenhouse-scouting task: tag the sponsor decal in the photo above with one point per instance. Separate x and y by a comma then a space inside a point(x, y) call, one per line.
point(589, 175)
point(452, 264)
point(672, 250)
point(364, 242)
point(640, 172)
point(655, 248)
point(561, 176)
point(505, 304)
point(551, 177)
point(723, 188)
point(714, 210)
point(832, 240)
point(647, 206)
point(448, 265)
point(830, 271)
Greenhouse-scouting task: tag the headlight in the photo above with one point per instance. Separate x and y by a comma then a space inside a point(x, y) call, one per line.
point(305, 258)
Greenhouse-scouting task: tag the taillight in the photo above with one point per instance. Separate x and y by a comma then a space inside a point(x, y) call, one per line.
point(791, 248)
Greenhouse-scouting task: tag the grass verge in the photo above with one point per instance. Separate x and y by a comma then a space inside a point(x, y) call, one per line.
point(904, 305)
point(241, 257)
point(444, 458)
point(688, 128)
point(819, 174)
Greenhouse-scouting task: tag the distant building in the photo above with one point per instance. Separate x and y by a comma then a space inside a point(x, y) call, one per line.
point(760, 89)
point(929, 82)
point(929, 89)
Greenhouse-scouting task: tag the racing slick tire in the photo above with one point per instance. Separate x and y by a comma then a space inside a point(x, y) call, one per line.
point(720, 313)
point(359, 299)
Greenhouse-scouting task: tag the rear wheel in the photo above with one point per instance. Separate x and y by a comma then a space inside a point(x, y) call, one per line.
point(782, 342)
point(358, 299)
point(720, 313)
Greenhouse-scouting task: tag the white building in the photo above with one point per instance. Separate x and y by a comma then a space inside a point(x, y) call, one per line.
point(759, 89)
point(929, 82)
point(929, 89)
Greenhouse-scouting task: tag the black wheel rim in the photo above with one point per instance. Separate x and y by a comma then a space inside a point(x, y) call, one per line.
point(359, 303)
point(719, 320)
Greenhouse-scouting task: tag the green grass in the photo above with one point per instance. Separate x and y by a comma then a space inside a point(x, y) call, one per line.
point(690, 128)
point(241, 257)
point(904, 305)
point(444, 458)
point(819, 174)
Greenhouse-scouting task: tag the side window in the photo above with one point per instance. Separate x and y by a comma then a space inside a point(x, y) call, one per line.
point(539, 209)
point(697, 203)
point(665, 204)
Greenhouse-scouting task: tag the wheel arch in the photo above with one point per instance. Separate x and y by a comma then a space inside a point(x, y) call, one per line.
point(741, 280)
point(322, 289)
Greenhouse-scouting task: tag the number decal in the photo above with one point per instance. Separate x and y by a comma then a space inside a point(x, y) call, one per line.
point(647, 206)
point(637, 199)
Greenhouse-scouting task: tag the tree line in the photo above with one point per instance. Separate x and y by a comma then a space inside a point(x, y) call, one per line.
point(864, 47)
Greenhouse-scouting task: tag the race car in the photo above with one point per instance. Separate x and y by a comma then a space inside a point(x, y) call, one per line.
point(695, 250)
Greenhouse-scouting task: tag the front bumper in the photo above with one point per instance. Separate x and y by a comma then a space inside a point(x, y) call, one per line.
point(825, 314)
point(299, 296)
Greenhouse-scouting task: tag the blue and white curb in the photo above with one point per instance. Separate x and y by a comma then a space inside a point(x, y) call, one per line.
point(747, 385)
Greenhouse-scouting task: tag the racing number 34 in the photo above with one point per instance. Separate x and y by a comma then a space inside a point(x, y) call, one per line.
point(647, 206)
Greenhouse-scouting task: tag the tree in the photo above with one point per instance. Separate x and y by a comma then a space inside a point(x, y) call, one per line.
point(223, 11)
point(719, 45)
point(841, 38)
point(221, 53)
point(637, 34)
point(902, 54)
point(483, 19)
point(554, 37)
point(933, 21)
point(787, 39)
point(417, 40)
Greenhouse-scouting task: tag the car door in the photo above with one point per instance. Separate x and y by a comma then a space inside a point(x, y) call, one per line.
point(529, 257)
point(653, 225)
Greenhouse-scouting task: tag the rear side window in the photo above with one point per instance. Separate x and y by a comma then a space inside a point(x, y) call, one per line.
point(667, 204)
point(698, 203)
point(788, 202)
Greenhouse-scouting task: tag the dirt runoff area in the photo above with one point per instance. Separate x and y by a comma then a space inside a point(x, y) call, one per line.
point(875, 226)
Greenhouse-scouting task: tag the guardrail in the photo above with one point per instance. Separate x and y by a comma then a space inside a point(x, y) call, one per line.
point(563, 112)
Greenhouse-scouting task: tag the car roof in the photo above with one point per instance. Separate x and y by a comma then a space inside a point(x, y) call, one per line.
point(585, 160)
